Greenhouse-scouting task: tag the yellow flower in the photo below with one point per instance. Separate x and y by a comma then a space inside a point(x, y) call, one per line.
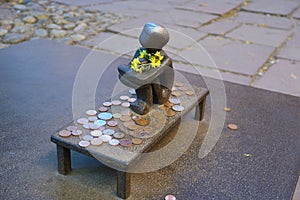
point(156, 59)
point(160, 57)
point(135, 65)
point(142, 54)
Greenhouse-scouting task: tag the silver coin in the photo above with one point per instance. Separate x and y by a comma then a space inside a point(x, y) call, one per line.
point(71, 128)
point(95, 126)
point(114, 142)
point(131, 100)
point(105, 138)
point(87, 137)
point(82, 121)
point(100, 122)
point(84, 143)
point(174, 100)
point(64, 133)
point(96, 141)
point(118, 135)
point(116, 102)
point(132, 91)
point(108, 132)
point(87, 125)
point(102, 128)
point(106, 104)
point(126, 104)
point(105, 116)
point(124, 97)
point(77, 132)
point(92, 118)
point(96, 133)
point(178, 108)
point(91, 112)
point(112, 123)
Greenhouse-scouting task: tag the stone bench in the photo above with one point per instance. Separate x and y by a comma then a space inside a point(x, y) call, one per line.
point(120, 157)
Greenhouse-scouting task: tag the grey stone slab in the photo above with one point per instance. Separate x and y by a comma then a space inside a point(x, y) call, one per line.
point(292, 47)
point(296, 14)
point(283, 77)
point(213, 73)
point(263, 20)
point(83, 3)
point(228, 55)
point(209, 6)
point(97, 39)
point(260, 35)
point(282, 7)
point(219, 27)
point(36, 83)
point(296, 194)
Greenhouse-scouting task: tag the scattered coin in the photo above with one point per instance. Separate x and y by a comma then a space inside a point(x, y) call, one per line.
point(77, 132)
point(124, 97)
point(227, 109)
point(100, 122)
point(125, 118)
point(170, 197)
point(148, 129)
point(144, 134)
point(183, 88)
point(96, 133)
point(105, 116)
point(127, 124)
point(232, 126)
point(96, 141)
point(125, 142)
point(91, 112)
point(64, 133)
point(178, 108)
point(178, 84)
point(84, 143)
point(176, 94)
point(114, 142)
point(112, 123)
point(131, 100)
point(106, 103)
point(143, 121)
point(87, 137)
point(190, 93)
point(82, 121)
point(174, 100)
point(158, 115)
point(126, 104)
point(137, 141)
point(92, 118)
point(95, 126)
point(102, 128)
point(119, 135)
point(103, 109)
point(108, 132)
point(163, 107)
point(132, 91)
point(117, 115)
point(71, 128)
point(168, 104)
point(174, 88)
point(170, 113)
point(105, 138)
point(132, 127)
point(86, 125)
point(116, 102)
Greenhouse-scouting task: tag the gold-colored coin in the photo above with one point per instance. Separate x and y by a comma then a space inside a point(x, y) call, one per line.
point(176, 93)
point(190, 93)
point(143, 121)
point(127, 124)
point(132, 127)
point(137, 141)
point(168, 104)
point(183, 88)
point(148, 129)
point(162, 107)
point(170, 113)
point(125, 118)
point(227, 109)
point(178, 84)
point(232, 126)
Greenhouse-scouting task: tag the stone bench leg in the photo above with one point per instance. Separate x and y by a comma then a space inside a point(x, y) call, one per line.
point(63, 160)
point(199, 113)
point(123, 184)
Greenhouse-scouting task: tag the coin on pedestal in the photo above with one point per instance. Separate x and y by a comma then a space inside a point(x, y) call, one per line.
point(108, 132)
point(116, 102)
point(100, 122)
point(112, 123)
point(125, 142)
point(131, 100)
point(117, 115)
point(96, 141)
point(119, 135)
point(105, 138)
point(76, 132)
point(114, 142)
point(174, 100)
point(103, 109)
point(170, 113)
point(91, 112)
point(126, 104)
point(64, 133)
point(84, 143)
point(96, 133)
point(92, 118)
point(124, 97)
point(190, 93)
point(125, 118)
point(87, 137)
point(105, 116)
point(178, 108)
point(106, 103)
point(71, 128)
point(82, 121)
point(137, 141)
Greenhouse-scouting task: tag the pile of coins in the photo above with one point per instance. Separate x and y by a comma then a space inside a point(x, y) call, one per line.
point(114, 123)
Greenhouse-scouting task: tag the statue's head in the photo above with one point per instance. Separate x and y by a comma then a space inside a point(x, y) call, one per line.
point(154, 36)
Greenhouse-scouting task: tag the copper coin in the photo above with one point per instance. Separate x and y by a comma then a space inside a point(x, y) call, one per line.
point(71, 128)
point(117, 115)
point(119, 135)
point(64, 133)
point(127, 124)
point(84, 143)
point(183, 88)
point(125, 118)
point(232, 126)
point(93, 118)
point(132, 91)
point(116, 102)
point(132, 127)
point(91, 112)
point(227, 109)
point(87, 137)
point(190, 93)
point(178, 84)
point(112, 123)
point(170, 113)
point(170, 197)
point(106, 103)
point(124, 97)
point(103, 109)
point(96, 133)
point(137, 141)
point(126, 104)
point(163, 107)
point(178, 108)
point(142, 121)
point(96, 141)
point(82, 121)
point(174, 101)
point(105, 138)
point(113, 142)
point(77, 132)
point(176, 94)
point(125, 142)
point(168, 104)
point(131, 100)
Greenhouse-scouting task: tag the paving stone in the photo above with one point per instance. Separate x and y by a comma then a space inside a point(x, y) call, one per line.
point(213, 73)
point(296, 14)
point(40, 32)
point(282, 7)
point(219, 27)
point(264, 20)
point(58, 33)
point(228, 55)
point(283, 77)
point(211, 6)
point(97, 39)
point(3, 32)
point(14, 38)
point(260, 35)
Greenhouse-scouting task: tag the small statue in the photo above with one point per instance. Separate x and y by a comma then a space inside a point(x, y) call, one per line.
point(150, 72)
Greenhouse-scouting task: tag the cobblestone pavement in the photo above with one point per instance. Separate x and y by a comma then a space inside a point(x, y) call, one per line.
point(253, 43)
